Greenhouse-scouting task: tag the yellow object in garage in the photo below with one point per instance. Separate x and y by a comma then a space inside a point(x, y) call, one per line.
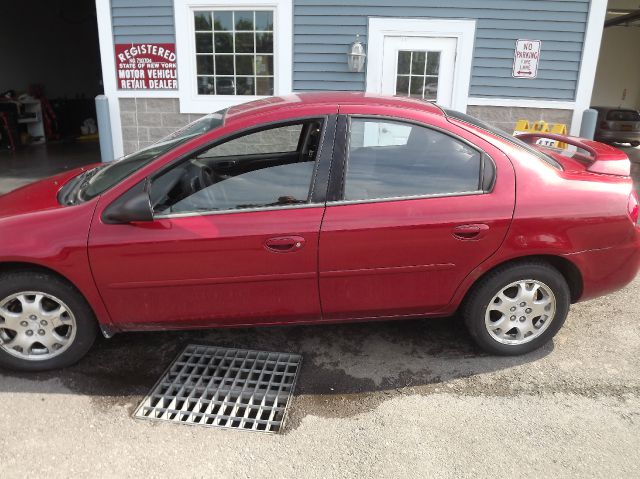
point(541, 126)
point(522, 126)
point(560, 129)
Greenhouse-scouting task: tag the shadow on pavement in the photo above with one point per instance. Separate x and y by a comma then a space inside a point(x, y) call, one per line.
point(346, 368)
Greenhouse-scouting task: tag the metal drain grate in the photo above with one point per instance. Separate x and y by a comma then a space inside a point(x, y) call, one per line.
point(224, 387)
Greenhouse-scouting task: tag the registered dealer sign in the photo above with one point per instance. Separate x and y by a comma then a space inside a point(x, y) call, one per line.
point(526, 58)
point(146, 66)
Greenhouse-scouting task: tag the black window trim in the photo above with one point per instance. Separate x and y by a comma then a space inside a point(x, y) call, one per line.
point(335, 196)
point(319, 179)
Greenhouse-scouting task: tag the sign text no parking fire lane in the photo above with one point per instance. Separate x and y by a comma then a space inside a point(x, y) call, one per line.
point(526, 58)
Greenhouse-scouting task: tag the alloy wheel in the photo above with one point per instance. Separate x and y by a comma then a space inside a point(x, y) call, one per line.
point(35, 326)
point(520, 312)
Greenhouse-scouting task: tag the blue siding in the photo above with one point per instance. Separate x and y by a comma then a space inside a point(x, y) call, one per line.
point(324, 29)
point(143, 21)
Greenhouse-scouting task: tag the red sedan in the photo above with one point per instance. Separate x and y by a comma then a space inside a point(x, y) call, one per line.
point(317, 208)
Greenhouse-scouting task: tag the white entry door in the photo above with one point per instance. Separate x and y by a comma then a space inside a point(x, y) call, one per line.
point(419, 67)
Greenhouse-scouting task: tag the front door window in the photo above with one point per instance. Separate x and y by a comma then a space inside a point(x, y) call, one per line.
point(265, 168)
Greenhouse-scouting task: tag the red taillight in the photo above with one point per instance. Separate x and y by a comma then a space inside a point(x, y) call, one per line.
point(604, 125)
point(632, 207)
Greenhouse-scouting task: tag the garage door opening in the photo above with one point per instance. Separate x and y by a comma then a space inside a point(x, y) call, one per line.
point(50, 76)
point(616, 92)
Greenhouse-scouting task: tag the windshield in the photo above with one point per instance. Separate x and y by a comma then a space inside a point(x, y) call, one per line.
point(502, 134)
point(99, 180)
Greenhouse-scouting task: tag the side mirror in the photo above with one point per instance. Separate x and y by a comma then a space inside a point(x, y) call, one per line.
point(133, 206)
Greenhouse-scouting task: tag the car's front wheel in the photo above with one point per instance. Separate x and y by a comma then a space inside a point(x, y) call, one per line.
point(517, 308)
point(45, 323)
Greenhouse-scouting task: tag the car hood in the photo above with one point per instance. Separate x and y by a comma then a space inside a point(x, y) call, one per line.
point(38, 196)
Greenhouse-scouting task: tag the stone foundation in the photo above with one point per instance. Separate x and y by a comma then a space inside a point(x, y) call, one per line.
point(505, 117)
point(147, 120)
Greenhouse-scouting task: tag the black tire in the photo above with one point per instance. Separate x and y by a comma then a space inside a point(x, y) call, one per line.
point(86, 324)
point(477, 301)
point(635, 143)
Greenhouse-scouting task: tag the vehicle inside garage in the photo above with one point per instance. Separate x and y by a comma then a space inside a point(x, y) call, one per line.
point(49, 81)
point(616, 93)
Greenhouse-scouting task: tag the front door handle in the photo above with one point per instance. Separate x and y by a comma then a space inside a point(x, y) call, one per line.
point(470, 232)
point(284, 244)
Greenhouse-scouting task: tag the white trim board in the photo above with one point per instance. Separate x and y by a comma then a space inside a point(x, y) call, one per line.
point(190, 101)
point(463, 30)
point(589, 63)
point(108, 61)
point(523, 103)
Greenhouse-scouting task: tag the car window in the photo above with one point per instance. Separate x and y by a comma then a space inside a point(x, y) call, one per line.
point(623, 115)
point(389, 159)
point(266, 168)
point(105, 177)
point(456, 115)
point(276, 140)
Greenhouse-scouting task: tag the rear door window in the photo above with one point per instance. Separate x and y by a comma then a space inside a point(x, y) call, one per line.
point(389, 159)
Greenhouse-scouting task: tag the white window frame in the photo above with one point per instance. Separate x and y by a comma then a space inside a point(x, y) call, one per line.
point(190, 100)
point(463, 30)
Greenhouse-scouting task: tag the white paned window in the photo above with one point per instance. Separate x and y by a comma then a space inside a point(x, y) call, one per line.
point(234, 52)
point(230, 52)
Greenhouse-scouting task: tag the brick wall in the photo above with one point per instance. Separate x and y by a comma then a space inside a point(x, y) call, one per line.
point(147, 120)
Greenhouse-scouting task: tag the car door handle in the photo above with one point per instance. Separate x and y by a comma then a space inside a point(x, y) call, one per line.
point(470, 232)
point(284, 244)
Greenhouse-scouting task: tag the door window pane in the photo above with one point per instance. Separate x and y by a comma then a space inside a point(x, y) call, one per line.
point(266, 168)
point(389, 159)
point(404, 63)
point(417, 74)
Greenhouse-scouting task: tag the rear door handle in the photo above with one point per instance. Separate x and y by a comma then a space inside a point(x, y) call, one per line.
point(470, 232)
point(284, 244)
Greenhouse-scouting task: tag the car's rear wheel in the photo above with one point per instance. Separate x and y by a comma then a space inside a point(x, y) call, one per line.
point(45, 322)
point(517, 308)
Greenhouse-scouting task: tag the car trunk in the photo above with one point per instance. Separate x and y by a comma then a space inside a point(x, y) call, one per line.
point(582, 154)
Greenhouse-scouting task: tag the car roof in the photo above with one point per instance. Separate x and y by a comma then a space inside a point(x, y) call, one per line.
point(296, 100)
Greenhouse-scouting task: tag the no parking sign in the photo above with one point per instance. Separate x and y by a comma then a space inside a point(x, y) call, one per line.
point(526, 58)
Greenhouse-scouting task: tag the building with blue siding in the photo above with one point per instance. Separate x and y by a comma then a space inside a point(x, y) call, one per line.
point(459, 53)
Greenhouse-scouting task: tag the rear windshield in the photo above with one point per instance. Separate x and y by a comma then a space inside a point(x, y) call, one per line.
point(623, 115)
point(503, 135)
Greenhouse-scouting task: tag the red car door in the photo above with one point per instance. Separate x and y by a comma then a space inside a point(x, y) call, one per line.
point(414, 207)
point(234, 237)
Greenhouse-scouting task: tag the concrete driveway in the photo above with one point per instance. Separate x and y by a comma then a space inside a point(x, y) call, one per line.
point(403, 399)
point(394, 399)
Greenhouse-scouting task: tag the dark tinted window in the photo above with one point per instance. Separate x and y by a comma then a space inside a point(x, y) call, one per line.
point(623, 115)
point(389, 159)
point(266, 168)
point(502, 134)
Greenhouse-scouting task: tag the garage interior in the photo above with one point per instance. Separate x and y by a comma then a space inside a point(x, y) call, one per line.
point(47, 107)
point(617, 82)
